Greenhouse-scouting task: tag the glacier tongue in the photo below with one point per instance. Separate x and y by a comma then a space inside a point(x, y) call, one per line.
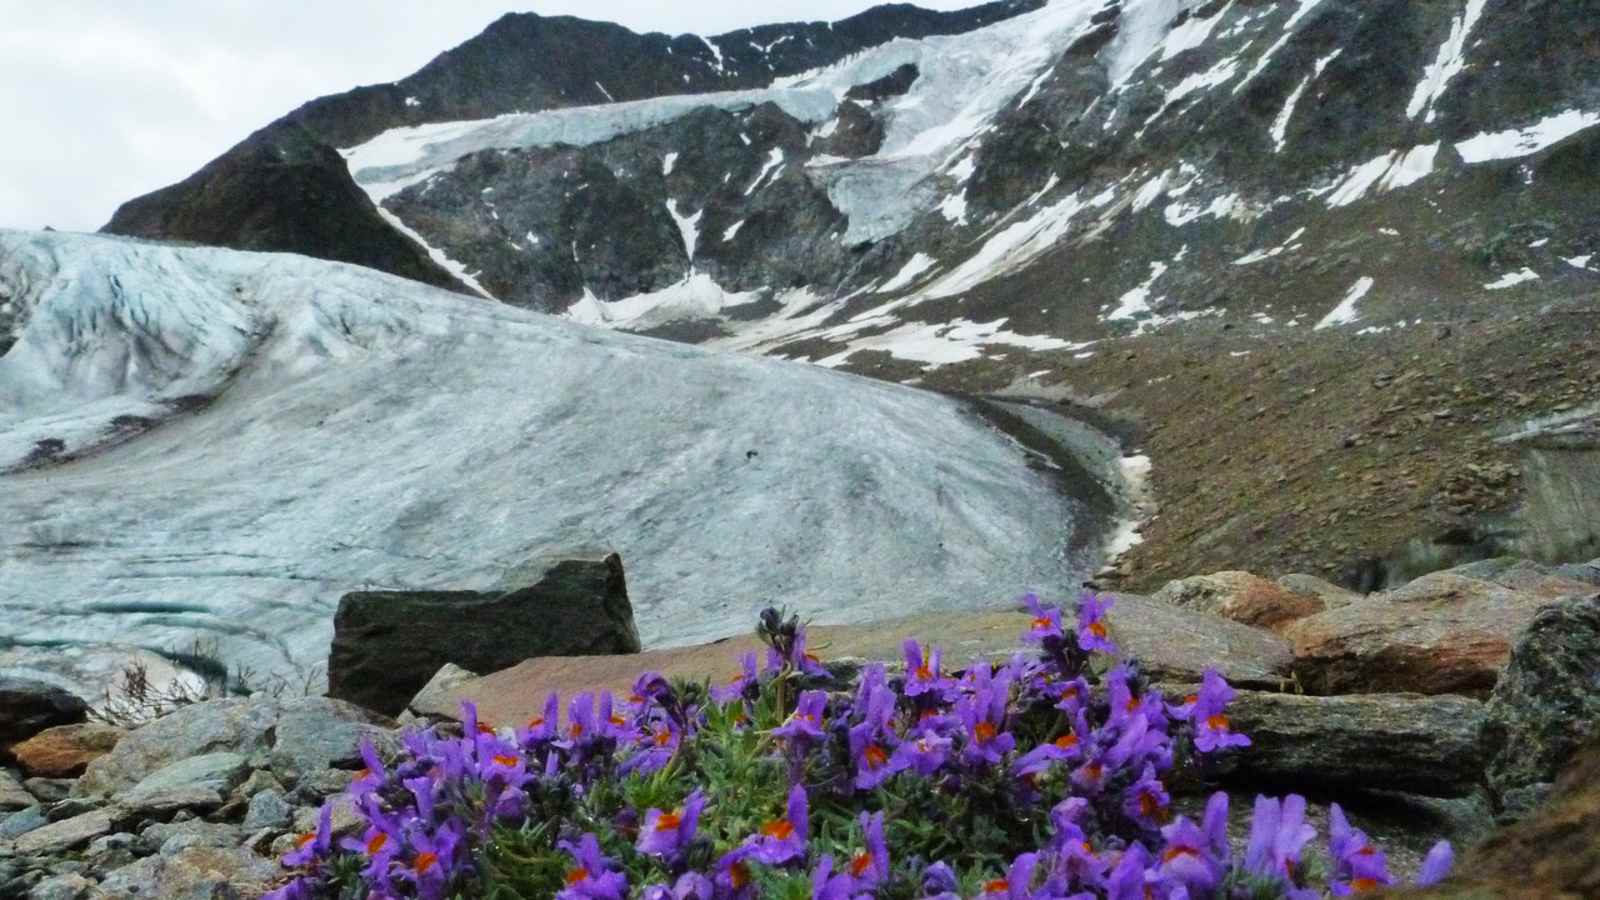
point(367, 431)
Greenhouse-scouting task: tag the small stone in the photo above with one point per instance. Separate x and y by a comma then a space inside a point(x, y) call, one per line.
point(71, 886)
point(312, 788)
point(59, 837)
point(111, 852)
point(163, 802)
point(13, 796)
point(69, 808)
point(345, 821)
point(21, 822)
point(263, 841)
point(268, 809)
point(49, 790)
point(215, 772)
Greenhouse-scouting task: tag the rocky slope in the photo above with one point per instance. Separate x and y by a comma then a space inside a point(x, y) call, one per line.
point(201, 441)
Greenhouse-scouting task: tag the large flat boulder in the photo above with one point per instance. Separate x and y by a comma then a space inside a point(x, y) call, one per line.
point(387, 645)
point(28, 707)
point(1171, 644)
point(1404, 742)
point(1442, 633)
point(1546, 705)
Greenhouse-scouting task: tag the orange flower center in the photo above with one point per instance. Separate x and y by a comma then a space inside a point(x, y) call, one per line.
point(1133, 704)
point(996, 886)
point(1067, 741)
point(669, 821)
point(1362, 885)
point(536, 722)
point(924, 673)
point(860, 864)
point(304, 839)
point(504, 760)
point(1041, 624)
point(485, 728)
point(1149, 806)
point(363, 774)
point(1098, 629)
point(1095, 770)
point(576, 729)
point(663, 737)
point(1173, 853)
point(876, 757)
point(425, 861)
point(376, 844)
point(985, 732)
point(1218, 722)
point(1191, 700)
point(780, 829)
point(738, 875)
point(635, 699)
point(618, 721)
point(577, 875)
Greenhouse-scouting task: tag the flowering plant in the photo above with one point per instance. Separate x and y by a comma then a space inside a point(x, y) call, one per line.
point(1047, 778)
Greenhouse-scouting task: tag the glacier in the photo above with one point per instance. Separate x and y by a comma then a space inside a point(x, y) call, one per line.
point(210, 442)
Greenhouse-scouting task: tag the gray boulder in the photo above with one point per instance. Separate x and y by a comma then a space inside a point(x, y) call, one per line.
point(70, 886)
point(193, 873)
point(13, 796)
point(387, 645)
point(1402, 742)
point(28, 707)
point(1546, 705)
point(268, 809)
point(308, 734)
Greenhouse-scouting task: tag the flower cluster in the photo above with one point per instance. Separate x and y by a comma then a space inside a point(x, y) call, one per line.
point(1047, 777)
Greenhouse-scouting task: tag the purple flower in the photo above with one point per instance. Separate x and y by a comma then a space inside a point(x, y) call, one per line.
point(983, 716)
point(593, 876)
point(923, 674)
point(739, 687)
point(541, 729)
point(784, 840)
point(433, 865)
point(939, 883)
point(1277, 833)
point(870, 867)
point(1128, 879)
point(1064, 749)
point(1093, 632)
point(1046, 622)
point(732, 880)
point(872, 741)
point(925, 754)
point(1018, 883)
point(827, 886)
point(1189, 858)
point(690, 886)
point(1436, 866)
point(1213, 730)
point(298, 889)
point(1147, 802)
point(1358, 866)
point(316, 845)
point(668, 834)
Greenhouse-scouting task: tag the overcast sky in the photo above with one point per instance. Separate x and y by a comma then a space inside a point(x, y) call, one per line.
point(104, 100)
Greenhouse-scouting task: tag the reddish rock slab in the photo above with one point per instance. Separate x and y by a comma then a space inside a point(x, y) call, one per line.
point(66, 750)
point(1242, 597)
point(1441, 634)
point(1170, 643)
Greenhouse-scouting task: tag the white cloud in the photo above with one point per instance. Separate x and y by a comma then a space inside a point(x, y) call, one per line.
point(104, 100)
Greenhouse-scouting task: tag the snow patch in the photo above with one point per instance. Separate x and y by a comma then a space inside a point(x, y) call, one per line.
point(774, 160)
point(1579, 262)
point(688, 226)
point(1451, 60)
point(1262, 255)
point(434, 253)
point(732, 231)
point(954, 208)
point(908, 274)
point(1303, 10)
point(1393, 170)
point(668, 163)
point(1137, 301)
point(1526, 141)
point(1345, 312)
point(1512, 279)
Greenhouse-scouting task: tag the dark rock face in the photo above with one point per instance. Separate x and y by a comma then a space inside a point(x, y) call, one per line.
point(386, 645)
point(29, 707)
point(286, 188)
point(1403, 742)
point(1546, 705)
point(280, 190)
